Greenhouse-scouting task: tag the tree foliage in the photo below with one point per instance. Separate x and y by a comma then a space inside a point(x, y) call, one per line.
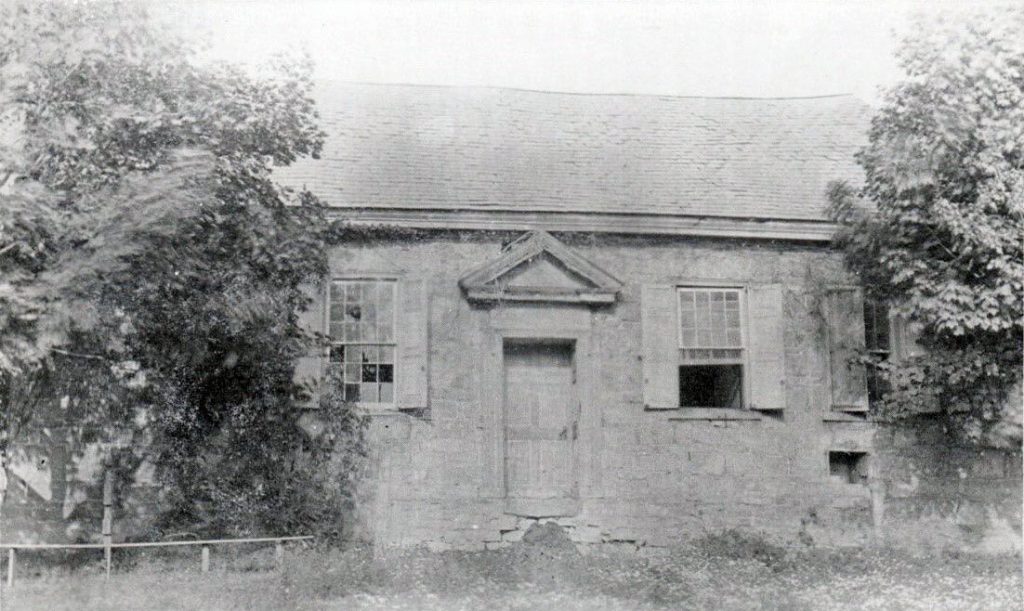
point(141, 231)
point(937, 227)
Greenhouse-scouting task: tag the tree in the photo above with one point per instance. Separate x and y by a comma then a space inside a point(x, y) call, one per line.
point(54, 370)
point(143, 238)
point(937, 227)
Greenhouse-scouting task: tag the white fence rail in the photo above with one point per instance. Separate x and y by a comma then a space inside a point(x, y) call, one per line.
point(108, 546)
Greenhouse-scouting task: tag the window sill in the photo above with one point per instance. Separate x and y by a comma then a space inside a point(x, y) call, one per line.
point(846, 417)
point(713, 413)
point(374, 409)
point(384, 409)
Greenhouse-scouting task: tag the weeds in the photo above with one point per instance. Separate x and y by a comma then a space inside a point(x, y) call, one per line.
point(722, 571)
point(735, 544)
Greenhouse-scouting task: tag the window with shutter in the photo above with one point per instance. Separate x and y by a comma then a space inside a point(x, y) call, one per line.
point(843, 311)
point(766, 362)
point(309, 369)
point(713, 347)
point(377, 332)
point(660, 356)
point(904, 336)
point(413, 351)
point(888, 336)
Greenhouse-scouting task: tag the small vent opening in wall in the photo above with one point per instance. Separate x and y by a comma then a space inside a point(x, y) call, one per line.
point(848, 467)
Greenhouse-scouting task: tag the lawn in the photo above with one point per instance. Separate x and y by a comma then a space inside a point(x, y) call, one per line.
point(707, 576)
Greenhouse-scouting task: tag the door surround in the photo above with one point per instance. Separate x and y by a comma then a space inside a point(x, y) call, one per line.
point(541, 418)
point(535, 322)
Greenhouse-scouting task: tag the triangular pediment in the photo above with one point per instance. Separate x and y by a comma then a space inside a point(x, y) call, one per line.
point(543, 271)
point(538, 267)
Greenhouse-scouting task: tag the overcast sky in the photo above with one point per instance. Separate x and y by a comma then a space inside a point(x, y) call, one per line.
point(790, 48)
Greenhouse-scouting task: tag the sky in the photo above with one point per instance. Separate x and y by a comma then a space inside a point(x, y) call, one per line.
point(744, 49)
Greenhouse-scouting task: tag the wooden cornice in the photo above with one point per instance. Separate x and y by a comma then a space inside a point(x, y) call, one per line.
point(591, 222)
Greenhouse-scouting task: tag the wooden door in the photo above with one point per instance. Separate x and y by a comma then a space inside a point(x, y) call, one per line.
point(541, 414)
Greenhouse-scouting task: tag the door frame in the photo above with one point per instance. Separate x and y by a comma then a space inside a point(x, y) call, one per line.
point(573, 491)
point(570, 324)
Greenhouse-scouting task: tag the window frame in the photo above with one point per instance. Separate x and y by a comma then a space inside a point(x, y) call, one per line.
point(330, 365)
point(743, 360)
point(880, 313)
point(858, 472)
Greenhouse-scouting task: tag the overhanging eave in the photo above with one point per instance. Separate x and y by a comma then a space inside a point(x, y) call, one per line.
point(800, 230)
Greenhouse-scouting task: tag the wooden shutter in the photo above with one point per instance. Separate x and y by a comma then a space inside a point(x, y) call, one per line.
point(411, 334)
point(766, 353)
point(903, 336)
point(843, 310)
point(660, 351)
point(309, 369)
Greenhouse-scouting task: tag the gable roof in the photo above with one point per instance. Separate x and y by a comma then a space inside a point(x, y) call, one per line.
point(425, 148)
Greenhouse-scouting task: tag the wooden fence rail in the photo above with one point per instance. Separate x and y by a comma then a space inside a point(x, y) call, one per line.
point(107, 547)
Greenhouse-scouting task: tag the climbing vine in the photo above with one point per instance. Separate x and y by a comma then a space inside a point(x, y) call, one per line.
point(936, 229)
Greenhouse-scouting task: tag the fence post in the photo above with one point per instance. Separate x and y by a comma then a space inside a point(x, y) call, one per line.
point(877, 487)
point(279, 555)
point(108, 501)
point(205, 562)
point(10, 568)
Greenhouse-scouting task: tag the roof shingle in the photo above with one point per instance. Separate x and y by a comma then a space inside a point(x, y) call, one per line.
point(444, 148)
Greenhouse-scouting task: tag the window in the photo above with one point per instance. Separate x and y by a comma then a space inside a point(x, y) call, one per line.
point(848, 467)
point(876, 327)
point(711, 350)
point(362, 332)
point(877, 334)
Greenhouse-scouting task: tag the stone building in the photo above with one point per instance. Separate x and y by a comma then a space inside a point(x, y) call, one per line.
point(621, 313)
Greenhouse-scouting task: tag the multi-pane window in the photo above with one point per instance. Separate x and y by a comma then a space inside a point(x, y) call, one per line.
point(877, 340)
point(362, 331)
point(710, 347)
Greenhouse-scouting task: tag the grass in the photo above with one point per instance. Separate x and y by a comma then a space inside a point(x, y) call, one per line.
point(719, 572)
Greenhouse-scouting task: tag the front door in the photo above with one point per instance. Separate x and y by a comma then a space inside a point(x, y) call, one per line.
point(541, 428)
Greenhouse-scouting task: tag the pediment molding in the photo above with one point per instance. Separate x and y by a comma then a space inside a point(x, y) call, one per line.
point(537, 267)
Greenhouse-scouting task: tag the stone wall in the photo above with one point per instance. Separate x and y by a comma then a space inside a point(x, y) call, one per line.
point(942, 496)
point(646, 477)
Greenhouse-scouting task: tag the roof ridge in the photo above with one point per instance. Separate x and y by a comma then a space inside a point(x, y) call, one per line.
point(589, 94)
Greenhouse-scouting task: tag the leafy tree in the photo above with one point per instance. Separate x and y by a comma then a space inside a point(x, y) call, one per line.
point(143, 238)
point(937, 227)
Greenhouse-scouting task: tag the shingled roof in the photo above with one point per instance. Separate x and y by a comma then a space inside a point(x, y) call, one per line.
point(431, 148)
